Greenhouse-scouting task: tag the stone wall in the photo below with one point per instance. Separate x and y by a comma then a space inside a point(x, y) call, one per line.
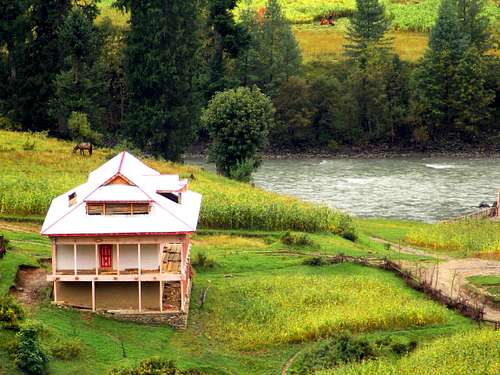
point(175, 319)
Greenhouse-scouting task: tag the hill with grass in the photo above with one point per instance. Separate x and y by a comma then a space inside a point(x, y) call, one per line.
point(270, 293)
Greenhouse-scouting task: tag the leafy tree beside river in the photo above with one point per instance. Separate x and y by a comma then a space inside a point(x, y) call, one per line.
point(147, 83)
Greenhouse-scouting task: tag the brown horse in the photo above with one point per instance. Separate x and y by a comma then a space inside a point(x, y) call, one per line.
point(82, 147)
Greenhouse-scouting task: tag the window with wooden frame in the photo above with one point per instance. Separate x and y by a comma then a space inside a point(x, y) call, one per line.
point(108, 208)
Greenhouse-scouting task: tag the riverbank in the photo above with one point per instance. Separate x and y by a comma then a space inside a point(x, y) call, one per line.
point(458, 151)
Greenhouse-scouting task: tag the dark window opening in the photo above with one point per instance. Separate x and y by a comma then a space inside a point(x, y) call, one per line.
point(72, 199)
point(172, 196)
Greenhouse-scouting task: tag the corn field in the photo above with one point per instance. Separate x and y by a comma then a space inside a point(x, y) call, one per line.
point(30, 179)
point(295, 307)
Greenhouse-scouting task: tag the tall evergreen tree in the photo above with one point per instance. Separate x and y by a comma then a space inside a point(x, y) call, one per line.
point(162, 72)
point(450, 91)
point(368, 27)
point(228, 39)
point(44, 59)
point(273, 54)
point(13, 29)
point(75, 88)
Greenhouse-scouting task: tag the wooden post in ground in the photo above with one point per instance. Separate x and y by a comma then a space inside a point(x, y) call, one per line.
point(93, 295)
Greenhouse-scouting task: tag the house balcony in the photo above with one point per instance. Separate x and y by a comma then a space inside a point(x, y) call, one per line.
point(119, 262)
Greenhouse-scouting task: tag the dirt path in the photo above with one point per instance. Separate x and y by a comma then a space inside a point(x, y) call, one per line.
point(19, 227)
point(30, 283)
point(288, 363)
point(450, 274)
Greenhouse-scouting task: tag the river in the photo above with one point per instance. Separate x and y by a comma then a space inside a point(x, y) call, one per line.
point(416, 188)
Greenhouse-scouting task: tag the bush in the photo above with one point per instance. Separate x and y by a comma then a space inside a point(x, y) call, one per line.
point(297, 239)
point(11, 313)
point(31, 357)
point(154, 366)
point(66, 349)
point(243, 171)
point(80, 130)
point(334, 352)
point(202, 262)
point(314, 261)
point(7, 124)
point(345, 228)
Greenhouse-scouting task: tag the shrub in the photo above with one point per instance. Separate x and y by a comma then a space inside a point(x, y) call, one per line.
point(66, 349)
point(80, 130)
point(29, 144)
point(7, 124)
point(11, 313)
point(338, 350)
point(314, 261)
point(297, 239)
point(345, 228)
point(30, 357)
point(202, 262)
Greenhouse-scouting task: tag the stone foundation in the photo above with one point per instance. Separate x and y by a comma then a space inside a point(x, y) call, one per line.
point(176, 320)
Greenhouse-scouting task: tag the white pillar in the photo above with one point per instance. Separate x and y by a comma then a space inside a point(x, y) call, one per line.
point(118, 258)
point(96, 259)
point(74, 257)
point(139, 262)
point(54, 262)
point(55, 291)
point(93, 295)
point(140, 296)
point(161, 296)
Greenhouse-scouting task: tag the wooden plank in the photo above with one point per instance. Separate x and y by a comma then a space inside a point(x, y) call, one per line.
point(161, 296)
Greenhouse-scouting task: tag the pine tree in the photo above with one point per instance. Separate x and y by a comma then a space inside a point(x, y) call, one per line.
point(273, 54)
point(44, 59)
point(75, 89)
point(367, 28)
point(13, 30)
point(451, 74)
point(162, 73)
point(280, 52)
point(228, 39)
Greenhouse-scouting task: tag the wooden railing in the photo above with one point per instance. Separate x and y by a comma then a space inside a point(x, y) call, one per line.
point(482, 214)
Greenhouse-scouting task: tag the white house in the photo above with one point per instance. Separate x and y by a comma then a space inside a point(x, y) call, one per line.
point(121, 241)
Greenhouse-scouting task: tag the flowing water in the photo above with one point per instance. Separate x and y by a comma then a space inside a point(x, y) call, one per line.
point(427, 189)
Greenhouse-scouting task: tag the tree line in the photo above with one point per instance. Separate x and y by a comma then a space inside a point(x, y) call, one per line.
point(147, 85)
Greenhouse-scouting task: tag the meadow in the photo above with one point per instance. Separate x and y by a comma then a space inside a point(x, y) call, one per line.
point(263, 305)
point(36, 168)
point(468, 237)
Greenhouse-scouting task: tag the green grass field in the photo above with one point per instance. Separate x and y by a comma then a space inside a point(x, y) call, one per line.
point(262, 306)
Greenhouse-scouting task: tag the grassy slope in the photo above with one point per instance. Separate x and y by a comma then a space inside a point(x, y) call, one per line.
point(30, 179)
point(250, 260)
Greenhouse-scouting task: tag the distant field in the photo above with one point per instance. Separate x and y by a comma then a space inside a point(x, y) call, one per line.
point(411, 21)
point(327, 43)
point(469, 237)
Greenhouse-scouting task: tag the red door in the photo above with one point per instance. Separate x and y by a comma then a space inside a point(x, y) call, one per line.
point(106, 255)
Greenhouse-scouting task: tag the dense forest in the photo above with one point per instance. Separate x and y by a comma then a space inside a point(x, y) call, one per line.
point(149, 85)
